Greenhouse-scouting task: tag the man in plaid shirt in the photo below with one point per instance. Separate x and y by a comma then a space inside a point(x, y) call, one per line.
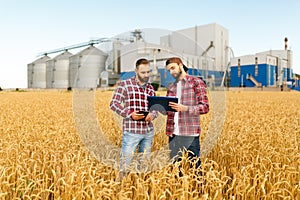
point(129, 99)
point(183, 126)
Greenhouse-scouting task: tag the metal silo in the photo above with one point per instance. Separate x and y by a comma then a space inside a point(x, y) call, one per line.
point(57, 75)
point(37, 73)
point(86, 67)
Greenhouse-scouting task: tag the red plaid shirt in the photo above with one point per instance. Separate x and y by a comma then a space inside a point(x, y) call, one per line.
point(130, 96)
point(193, 95)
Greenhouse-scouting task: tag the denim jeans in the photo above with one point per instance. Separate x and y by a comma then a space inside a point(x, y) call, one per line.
point(180, 143)
point(130, 142)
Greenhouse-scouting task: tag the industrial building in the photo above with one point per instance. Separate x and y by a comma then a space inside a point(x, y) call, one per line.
point(204, 49)
point(271, 68)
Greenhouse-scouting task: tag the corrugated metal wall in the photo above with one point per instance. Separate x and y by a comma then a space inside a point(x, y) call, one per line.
point(86, 67)
point(36, 73)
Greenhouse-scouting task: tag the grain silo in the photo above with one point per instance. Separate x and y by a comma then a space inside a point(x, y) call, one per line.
point(57, 74)
point(86, 67)
point(36, 73)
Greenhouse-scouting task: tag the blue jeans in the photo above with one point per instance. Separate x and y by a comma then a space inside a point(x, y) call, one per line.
point(130, 142)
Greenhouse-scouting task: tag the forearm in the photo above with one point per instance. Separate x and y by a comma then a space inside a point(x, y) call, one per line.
point(202, 104)
point(119, 109)
point(201, 108)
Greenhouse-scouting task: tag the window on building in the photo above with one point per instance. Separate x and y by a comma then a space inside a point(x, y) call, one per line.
point(256, 67)
point(239, 67)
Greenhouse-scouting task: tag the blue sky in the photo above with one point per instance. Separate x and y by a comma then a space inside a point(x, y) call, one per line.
point(33, 26)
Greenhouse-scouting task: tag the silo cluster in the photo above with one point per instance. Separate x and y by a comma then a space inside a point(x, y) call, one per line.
point(81, 70)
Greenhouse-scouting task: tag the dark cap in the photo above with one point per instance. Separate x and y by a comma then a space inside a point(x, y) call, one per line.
point(178, 61)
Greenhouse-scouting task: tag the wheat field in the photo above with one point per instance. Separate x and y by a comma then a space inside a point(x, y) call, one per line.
point(43, 156)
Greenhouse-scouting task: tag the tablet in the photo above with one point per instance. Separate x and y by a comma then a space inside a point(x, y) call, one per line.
point(161, 103)
point(145, 113)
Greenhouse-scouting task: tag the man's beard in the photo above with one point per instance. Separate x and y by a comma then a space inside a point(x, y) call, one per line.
point(177, 75)
point(143, 80)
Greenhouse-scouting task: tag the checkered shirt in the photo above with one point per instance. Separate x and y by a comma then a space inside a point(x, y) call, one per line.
point(193, 95)
point(129, 97)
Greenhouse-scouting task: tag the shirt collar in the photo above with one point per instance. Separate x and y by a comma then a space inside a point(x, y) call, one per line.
point(184, 79)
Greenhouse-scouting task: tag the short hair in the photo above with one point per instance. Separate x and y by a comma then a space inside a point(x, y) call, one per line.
point(176, 60)
point(142, 61)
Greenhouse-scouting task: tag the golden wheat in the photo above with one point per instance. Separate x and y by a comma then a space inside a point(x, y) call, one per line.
point(42, 155)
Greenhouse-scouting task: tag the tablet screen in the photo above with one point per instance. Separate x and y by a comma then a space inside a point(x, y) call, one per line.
point(161, 103)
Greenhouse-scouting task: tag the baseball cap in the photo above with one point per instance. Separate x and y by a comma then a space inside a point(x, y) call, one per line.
point(178, 61)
